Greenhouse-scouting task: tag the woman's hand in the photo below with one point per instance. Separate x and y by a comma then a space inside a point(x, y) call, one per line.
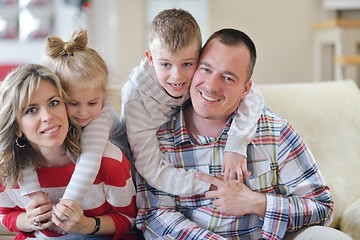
point(69, 216)
point(38, 214)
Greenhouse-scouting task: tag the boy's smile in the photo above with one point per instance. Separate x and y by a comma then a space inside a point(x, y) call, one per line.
point(174, 71)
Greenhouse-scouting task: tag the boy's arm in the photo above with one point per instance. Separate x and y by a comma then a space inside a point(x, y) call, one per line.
point(93, 141)
point(243, 127)
point(142, 123)
point(240, 134)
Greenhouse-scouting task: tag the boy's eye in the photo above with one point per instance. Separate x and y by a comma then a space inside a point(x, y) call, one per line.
point(166, 65)
point(187, 64)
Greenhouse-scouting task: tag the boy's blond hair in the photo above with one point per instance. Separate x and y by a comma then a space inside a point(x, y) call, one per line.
point(174, 29)
point(77, 65)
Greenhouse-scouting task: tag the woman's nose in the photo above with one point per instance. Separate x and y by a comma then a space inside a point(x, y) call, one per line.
point(46, 115)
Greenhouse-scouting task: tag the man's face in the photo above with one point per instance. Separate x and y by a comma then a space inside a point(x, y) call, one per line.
point(174, 71)
point(218, 85)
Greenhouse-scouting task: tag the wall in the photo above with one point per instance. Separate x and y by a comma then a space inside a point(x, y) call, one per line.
point(282, 31)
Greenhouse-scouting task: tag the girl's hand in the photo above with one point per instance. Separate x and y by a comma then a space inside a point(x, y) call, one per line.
point(69, 216)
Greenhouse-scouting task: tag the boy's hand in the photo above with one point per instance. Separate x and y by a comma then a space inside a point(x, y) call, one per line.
point(234, 164)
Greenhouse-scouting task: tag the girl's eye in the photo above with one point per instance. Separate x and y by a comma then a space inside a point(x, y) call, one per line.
point(187, 64)
point(92, 103)
point(31, 111)
point(72, 103)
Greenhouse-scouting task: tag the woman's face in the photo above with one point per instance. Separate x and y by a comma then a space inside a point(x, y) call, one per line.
point(44, 121)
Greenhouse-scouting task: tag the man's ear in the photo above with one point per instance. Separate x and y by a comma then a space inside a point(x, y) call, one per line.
point(149, 57)
point(247, 87)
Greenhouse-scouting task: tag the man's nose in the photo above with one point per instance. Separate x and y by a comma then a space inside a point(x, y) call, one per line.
point(213, 82)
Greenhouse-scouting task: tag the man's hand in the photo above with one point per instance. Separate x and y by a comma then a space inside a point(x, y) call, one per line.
point(234, 165)
point(233, 199)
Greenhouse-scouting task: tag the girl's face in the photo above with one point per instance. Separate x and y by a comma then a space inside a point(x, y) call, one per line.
point(85, 104)
point(44, 121)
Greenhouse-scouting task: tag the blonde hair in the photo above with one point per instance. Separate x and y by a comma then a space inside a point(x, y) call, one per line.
point(174, 29)
point(77, 65)
point(15, 92)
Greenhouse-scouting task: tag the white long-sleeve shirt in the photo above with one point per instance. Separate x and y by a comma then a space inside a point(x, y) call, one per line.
point(146, 106)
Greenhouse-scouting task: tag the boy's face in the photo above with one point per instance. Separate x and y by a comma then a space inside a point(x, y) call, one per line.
point(174, 71)
point(85, 104)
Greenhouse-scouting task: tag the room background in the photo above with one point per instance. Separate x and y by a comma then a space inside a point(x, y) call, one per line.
point(283, 32)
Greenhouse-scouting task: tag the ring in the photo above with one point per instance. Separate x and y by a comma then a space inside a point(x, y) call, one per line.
point(63, 219)
point(36, 223)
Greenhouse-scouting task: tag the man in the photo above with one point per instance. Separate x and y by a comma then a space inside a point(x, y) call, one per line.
point(285, 191)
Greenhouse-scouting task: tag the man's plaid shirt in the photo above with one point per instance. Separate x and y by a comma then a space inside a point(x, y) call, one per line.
point(280, 164)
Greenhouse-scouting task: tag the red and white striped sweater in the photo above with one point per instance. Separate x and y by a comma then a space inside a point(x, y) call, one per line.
point(112, 193)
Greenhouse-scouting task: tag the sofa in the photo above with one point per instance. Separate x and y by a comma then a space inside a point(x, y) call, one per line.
point(327, 116)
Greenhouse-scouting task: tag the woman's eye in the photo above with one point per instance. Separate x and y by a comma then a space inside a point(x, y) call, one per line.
point(30, 111)
point(54, 103)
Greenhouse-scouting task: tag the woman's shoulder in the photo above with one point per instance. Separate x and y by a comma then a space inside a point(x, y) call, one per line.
point(113, 156)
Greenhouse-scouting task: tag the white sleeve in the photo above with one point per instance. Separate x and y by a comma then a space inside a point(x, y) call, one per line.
point(142, 123)
point(243, 127)
point(93, 141)
point(29, 182)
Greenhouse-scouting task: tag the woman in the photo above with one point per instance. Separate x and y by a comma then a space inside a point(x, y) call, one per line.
point(37, 133)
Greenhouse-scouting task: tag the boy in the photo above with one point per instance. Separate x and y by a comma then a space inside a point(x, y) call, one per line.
point(158, 86)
